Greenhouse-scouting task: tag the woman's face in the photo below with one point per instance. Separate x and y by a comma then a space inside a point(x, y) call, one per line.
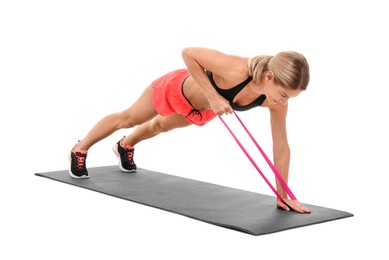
point(275, 93)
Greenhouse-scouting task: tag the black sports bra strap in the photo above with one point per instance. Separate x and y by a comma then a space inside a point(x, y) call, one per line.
point(228, 93)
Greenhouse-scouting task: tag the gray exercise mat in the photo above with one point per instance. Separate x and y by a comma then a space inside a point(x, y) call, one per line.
point(232, 208)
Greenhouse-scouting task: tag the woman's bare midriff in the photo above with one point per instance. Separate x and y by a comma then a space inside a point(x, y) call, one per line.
point(193, 93)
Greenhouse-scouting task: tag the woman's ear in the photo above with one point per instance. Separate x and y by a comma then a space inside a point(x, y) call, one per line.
point(269, 75)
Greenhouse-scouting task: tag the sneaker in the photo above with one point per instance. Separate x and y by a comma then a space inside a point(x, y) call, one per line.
point(77, 160)
point(125, 157)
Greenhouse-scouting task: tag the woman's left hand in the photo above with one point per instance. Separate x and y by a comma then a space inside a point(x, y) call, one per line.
point(294, 205)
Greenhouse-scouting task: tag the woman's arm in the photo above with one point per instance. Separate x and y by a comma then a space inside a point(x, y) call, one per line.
point(198, 60)
point(281, 152)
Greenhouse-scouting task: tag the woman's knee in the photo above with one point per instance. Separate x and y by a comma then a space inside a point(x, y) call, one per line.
point(125, 120)
point(158, 126)
point(130, 118)
point(165, 124)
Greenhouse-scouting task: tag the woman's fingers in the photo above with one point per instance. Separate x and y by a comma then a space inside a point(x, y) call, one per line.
point(283, 206)
point(294, 205)
point(297, 206)
point(221, 106)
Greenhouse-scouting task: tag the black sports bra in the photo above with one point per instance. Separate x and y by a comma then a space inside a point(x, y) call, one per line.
point(230, 94)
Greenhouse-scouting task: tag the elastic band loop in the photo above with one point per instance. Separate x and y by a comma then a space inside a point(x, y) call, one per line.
point(278, 176)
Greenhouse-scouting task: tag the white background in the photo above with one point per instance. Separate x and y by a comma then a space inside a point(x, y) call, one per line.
point(66, 64)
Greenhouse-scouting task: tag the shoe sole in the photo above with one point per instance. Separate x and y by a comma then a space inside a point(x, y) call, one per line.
point(70, 171)
point(115, 151)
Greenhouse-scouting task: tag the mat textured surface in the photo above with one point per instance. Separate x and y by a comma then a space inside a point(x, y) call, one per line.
point(232, 208)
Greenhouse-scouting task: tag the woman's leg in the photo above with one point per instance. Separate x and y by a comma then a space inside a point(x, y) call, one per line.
point(152, 128)
point(124, 149)
point(141, 111)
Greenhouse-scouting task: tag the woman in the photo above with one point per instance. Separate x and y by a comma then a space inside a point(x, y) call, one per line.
point(213, 84)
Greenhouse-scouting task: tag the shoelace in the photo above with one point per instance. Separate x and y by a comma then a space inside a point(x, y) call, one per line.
point(80, 160)
point(130, 154)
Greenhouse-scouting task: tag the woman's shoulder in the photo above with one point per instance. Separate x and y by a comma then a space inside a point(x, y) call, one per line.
point(237, 70)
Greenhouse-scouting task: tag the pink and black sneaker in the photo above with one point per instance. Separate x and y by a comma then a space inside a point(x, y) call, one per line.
point(77, 160)
point(125, 156)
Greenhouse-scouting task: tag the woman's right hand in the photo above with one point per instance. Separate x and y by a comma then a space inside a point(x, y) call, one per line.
point(220, 105)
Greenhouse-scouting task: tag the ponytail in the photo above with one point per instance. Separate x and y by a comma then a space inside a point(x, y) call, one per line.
point(290, 69)
point(257, 66)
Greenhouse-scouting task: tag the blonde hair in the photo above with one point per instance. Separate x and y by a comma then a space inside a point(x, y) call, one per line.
point(290, 69)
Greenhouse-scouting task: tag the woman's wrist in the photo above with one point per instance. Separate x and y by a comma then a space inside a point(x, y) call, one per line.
point(283, 194)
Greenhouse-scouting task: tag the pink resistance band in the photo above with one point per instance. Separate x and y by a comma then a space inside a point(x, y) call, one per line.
point(277, 174)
